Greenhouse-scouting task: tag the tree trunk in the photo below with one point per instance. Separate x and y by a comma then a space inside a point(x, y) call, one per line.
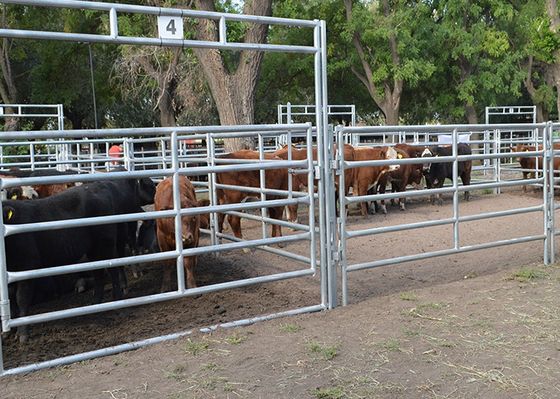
point(389, 102)
point(233, 91)
point(472, 117)
point(542, 113)
point(166, 110)
point(8, 90)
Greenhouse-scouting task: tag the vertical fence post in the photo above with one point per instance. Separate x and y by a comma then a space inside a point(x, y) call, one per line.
point(496, 161)
point(311, 194)
point(455, 153)
point(552, 202)
point(548, 193)
point(4, 294)
point(212, 191)
point(342, 215)
point(262, 185)
point(177, 209)
point(329, 176)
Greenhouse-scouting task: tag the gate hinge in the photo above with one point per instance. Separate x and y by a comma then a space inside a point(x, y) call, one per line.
point(317, 172)
point(336, 256)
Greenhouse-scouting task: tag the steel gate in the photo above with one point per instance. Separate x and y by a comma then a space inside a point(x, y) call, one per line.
point(319, 232)
point(545, 179)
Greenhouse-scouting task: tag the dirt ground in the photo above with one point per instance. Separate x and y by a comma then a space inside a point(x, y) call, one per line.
point(444, 327)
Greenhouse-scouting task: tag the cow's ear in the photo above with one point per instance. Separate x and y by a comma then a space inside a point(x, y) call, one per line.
point(8, 213)
point(383, 154)
point(146, 189)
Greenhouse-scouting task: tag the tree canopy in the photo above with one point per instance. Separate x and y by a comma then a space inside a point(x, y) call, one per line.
point(398, 61)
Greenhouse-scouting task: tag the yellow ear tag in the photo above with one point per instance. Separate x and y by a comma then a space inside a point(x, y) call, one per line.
point(10, 214)
point(526, 150)
point(14, 197)
point(399, 156)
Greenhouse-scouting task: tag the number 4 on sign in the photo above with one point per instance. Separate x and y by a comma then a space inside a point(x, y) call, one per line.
point(170, 27)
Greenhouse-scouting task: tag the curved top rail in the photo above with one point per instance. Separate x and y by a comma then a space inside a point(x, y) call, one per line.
point(442, 128)
point(161, 11)
point(126, 132)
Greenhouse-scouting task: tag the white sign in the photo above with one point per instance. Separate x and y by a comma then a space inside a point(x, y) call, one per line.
point(170, 28)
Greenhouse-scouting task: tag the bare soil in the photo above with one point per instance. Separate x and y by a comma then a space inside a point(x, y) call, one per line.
point(459, 326)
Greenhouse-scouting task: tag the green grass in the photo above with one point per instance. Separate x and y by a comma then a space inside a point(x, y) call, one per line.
point(329, 393)
point(529, 274)
point(391, 345)
point(210, 366)
point(408, 296)
point(328, 352)
point(177, 372)
point(195, 348)
point(290, 328)
point(235, 339)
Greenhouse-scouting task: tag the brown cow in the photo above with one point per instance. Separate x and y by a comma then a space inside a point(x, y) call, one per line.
point(276, 179)
point(163, 200)
point(299, 181)
point(532, 163)
point(367, 177)
point(400, 178)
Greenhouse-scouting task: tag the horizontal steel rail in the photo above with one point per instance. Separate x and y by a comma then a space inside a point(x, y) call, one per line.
point(150, 299)
point(277, 251)
point(163, 11)
point(443, 252)
point(216, 131)
point(268, 220)
point(11, 229)
point(113, 350)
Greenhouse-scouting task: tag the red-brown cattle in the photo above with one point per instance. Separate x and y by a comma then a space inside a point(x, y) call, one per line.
point(367, 177)
point(532, 163)
point(276, 179)
point(299, 181)
point(163, 200)
point(403, 176)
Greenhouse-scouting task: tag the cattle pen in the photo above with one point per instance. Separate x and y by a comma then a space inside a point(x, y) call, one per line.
point(174, 166)
point(319, 253)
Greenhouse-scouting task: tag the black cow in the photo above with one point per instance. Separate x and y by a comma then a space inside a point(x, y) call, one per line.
point(436, 173)
point(146, 242)
point(50, 248)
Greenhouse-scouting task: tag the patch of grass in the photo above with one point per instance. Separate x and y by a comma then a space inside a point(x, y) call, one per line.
point(408, 296)
point(329, 393)
point(529, 274)
point(487, 191)
point(195, 348)
point(290, 328)
point(430, 305)
point(328, 352)
point(236, 339)
point(391, 345)
point(210, 366)
point(177, 372)
point(411, 333)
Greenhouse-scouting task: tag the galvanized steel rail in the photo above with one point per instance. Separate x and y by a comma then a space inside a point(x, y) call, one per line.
point(173, 160)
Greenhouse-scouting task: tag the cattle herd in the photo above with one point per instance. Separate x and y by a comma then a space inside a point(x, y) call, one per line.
point(99, 242)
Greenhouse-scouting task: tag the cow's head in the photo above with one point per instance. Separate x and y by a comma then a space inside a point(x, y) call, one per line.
point(427, 153)
point(190, 224)
point(391, 153)
point(21, 193)
point(145, 189)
